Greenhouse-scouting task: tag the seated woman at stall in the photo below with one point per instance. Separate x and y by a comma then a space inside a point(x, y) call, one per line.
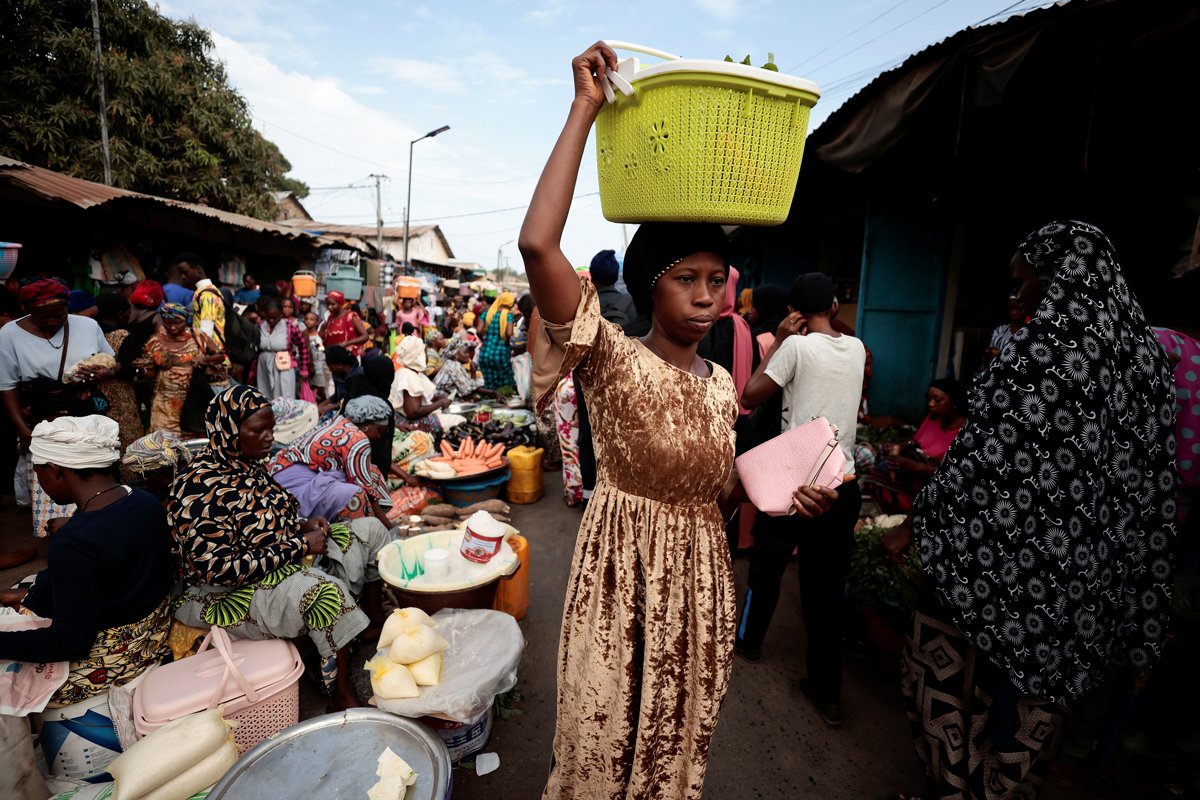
point(241, 545)
point(155, 460)
point(435, 343)
point(456, 378)
point(329, 469)
point(903, 472)
point(413, 395)
point(108, 572)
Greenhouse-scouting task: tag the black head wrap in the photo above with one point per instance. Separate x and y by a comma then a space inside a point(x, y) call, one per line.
point(771, 304)
point(658, 245)
point(954, 390)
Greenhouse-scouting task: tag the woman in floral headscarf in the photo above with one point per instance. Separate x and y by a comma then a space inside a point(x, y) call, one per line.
point(1046, 532)
point(171, 356)
point(241, 545)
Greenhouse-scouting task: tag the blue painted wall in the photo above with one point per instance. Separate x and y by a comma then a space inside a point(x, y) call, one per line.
point(901, 297)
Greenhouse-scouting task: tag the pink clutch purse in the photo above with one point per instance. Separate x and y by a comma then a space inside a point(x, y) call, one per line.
point(810, 455)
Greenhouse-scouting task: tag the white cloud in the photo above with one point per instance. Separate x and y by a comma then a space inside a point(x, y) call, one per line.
point(549, 13)
point(425, 74)
point(722, 9)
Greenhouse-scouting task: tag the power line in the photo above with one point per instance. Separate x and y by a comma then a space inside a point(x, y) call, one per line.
point(892, 29)
point(998, 13)
point(494, 211)
point(458, 216)
point(1029, 6)
point(865, 25)
point(321, 144)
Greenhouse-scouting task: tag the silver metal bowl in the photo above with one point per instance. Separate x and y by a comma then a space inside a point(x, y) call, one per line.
point(336, 756)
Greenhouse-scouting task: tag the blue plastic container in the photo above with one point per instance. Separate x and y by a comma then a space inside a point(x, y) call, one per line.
point(466, 494)
point(347, 280)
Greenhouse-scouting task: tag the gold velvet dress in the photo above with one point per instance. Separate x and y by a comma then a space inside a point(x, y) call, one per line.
point(647, 633)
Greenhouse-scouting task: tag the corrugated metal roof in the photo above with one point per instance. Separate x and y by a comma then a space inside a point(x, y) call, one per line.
point(367, 232)
point(364, 231)
point(54, 186)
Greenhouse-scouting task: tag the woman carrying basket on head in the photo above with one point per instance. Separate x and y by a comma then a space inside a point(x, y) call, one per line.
point(647, 635)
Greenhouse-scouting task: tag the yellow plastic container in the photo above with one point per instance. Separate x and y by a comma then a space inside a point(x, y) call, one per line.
point(526, 483)
point(702, 141)
point(512, 595)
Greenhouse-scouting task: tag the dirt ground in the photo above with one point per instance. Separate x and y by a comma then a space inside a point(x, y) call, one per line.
point(769, 744)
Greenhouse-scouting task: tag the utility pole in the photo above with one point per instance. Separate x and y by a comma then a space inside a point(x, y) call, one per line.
point(103, 100)
point(387, 269)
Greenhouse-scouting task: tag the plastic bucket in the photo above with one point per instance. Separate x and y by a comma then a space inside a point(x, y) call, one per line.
point(304, 284)
point(79, 741)
point(462, 738)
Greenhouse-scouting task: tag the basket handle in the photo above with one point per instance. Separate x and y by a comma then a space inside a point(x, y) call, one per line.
point(220, 639)
point(643, 49)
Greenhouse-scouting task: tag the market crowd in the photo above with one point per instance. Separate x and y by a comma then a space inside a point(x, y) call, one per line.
point(200, 457)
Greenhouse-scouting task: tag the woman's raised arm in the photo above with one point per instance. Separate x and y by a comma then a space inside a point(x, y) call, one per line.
point(552, 280)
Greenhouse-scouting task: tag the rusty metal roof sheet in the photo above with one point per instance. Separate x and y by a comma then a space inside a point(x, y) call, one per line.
point(55, 187)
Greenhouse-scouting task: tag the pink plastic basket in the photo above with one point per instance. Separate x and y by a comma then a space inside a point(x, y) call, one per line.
point(257, 683)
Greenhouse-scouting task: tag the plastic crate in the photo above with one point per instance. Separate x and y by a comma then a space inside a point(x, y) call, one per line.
point(702, 141)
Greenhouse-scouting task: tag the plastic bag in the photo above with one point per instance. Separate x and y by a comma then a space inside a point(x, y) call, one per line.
point(21, 483)
point(481, 662)
point(306, 393)
point(26, 688)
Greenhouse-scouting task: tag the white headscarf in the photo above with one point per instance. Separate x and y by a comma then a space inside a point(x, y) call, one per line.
point(91, 442)
point(410, 352)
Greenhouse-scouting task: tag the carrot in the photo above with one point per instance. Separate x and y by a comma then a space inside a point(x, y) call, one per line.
point(462, 449)
point(447, 450)
point(492, 463)
point(442, 459)
point(492, 451)
point(472, 470)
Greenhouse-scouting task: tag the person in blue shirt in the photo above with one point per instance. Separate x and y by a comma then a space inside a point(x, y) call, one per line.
point(175, 291)
point(249, 293)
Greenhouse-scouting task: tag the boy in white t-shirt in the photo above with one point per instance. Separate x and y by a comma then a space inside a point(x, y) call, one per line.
point(820, 373)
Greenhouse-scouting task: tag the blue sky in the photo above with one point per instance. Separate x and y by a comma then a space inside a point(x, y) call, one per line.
point(342, 87)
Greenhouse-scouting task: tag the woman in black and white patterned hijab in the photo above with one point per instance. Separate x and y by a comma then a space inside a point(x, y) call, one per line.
point(1047, 532)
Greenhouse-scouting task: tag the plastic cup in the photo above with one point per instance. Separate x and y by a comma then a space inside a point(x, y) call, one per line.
point(437, 564)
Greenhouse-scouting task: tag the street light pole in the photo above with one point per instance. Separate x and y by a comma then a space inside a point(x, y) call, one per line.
point(500, 260)
point(408, 205)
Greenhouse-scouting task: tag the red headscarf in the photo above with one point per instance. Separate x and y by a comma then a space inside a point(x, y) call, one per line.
point(285, 289)
point(147, 294)
point(43, 291)
point(335, 296)
point(743, 341)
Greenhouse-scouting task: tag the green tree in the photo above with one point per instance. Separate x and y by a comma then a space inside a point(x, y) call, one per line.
point(176, 127)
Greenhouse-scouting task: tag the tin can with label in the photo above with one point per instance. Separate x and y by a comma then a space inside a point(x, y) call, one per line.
point(479, 548)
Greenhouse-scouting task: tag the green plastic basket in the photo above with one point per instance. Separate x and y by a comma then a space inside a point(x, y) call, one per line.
point(702, 141)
